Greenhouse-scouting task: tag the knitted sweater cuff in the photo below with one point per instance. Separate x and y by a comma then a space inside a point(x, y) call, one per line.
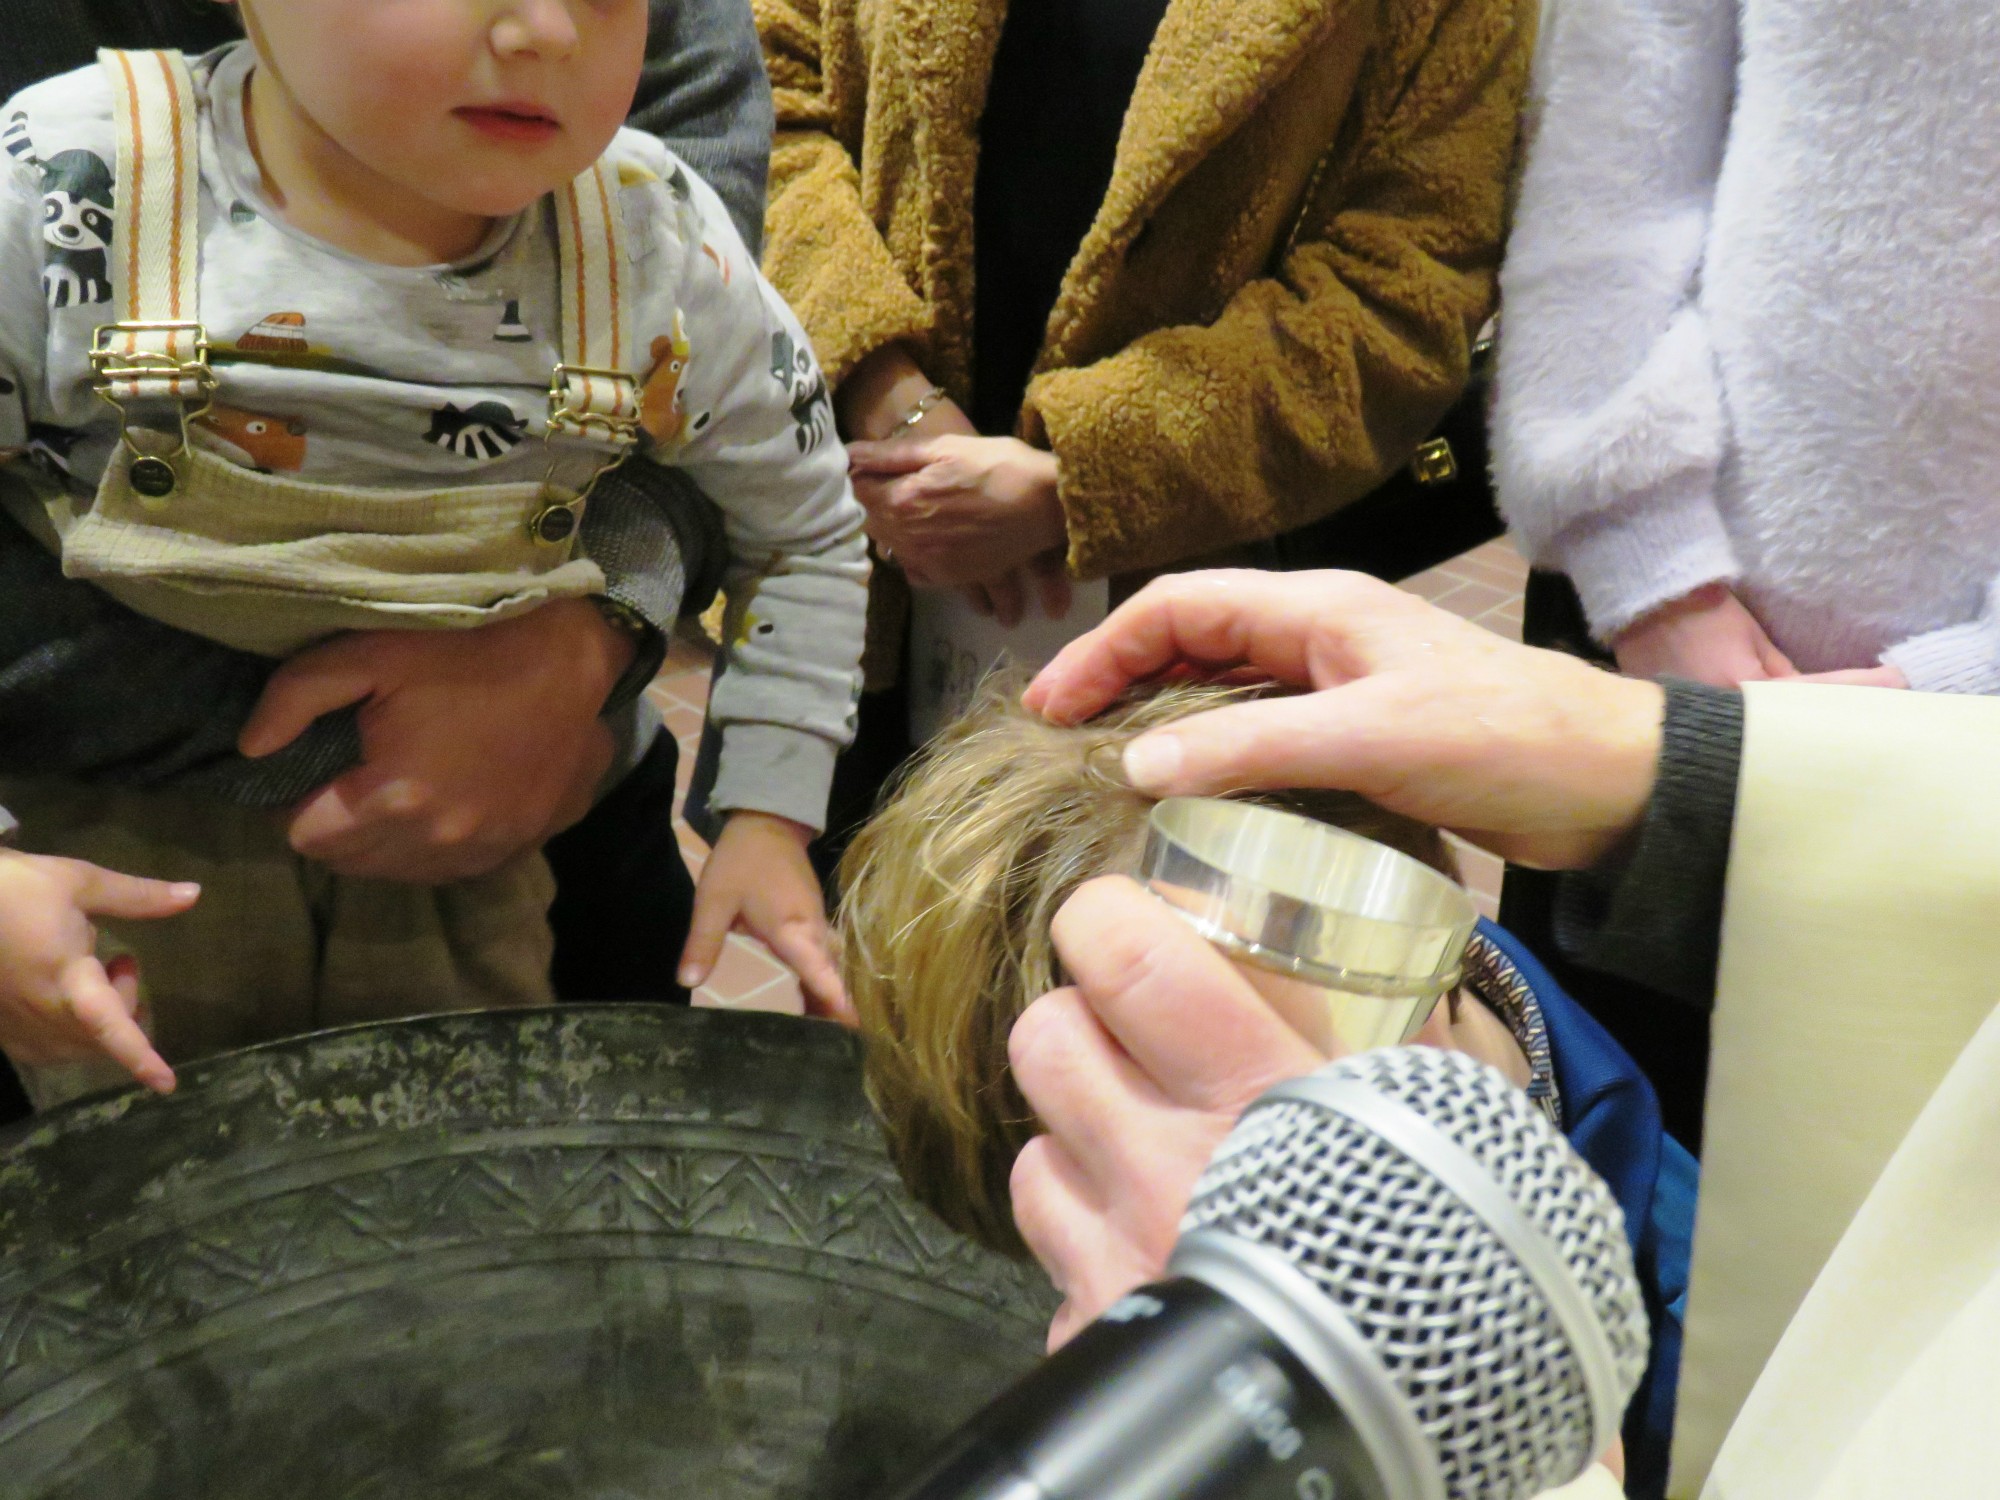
point(1655, 548)
point(1655, 915)
point(1956, 659)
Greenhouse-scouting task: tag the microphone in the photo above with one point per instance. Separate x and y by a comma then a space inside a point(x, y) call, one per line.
point(1395, 1281)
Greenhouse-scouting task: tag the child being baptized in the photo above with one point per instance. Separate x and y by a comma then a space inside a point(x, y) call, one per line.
point(948, 895)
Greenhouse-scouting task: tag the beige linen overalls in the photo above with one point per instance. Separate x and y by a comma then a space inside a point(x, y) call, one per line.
point(278, 944)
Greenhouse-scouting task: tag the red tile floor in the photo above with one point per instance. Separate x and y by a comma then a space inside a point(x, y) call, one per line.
point(1484, 585)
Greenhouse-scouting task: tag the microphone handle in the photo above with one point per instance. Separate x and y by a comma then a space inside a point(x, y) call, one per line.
point(1176, 1393)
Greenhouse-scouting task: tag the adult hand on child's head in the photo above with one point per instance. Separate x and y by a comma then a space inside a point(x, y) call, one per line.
point(758, 878)
point(58, 1003)
point(1706, 636)
point(1137, 1072)
point(1533, 754)
point(476, 744)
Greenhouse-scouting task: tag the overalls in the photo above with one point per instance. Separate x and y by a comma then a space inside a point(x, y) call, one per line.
point(278, 944)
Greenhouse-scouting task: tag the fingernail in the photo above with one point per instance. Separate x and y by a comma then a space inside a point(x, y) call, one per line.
point(1153, 761)
point(186, 890)
point(691, 975)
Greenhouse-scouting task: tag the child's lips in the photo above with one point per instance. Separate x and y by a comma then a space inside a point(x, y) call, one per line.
point(522, 124)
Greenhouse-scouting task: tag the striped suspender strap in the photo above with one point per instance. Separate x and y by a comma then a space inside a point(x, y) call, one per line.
point(156, 351)
point(593, 394)
point(594, 391)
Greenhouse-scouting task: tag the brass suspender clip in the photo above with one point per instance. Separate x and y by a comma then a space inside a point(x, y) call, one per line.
point(153, 476)
point(561, 514)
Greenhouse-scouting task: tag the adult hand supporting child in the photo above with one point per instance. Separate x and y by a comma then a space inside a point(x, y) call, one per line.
point(477, 744)
point(58, 1003)
point(1138, 1071)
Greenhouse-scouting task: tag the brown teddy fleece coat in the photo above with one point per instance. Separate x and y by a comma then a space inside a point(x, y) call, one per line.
point(1277, 299)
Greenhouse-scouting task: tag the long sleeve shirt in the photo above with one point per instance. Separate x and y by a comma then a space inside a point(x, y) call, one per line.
point(1752, 328)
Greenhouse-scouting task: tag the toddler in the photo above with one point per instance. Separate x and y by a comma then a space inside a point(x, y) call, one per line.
point(334, 329)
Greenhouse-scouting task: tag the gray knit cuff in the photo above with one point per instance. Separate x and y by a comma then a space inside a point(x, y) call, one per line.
point(1654, 913)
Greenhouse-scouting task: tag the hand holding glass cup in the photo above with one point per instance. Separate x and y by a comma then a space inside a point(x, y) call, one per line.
point(1351, 942)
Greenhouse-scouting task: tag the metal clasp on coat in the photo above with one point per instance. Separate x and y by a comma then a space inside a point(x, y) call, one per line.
point(572, 415)
point(153, 476)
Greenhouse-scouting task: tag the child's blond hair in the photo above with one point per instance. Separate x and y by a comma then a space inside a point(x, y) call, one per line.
point(947, 898)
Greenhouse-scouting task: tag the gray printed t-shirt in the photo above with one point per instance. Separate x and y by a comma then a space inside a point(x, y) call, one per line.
point(338, 369)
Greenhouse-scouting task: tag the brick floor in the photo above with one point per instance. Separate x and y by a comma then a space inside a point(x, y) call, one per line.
point(1484, 585)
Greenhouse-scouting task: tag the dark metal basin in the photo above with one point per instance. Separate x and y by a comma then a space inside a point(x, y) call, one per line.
point(601, 1253)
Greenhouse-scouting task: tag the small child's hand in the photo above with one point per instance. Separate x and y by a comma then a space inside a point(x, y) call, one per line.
point(758, 878)
point(1706, 636)
point(57, 1002)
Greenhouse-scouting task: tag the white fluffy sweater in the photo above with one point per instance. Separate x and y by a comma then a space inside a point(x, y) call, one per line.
point(1752, 326)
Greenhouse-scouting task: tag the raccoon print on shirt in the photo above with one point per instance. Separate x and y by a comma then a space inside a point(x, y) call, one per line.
point(76, 227)
point(486, 429)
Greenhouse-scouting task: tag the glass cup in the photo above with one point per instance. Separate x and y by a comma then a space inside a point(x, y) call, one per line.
point(1351, 942)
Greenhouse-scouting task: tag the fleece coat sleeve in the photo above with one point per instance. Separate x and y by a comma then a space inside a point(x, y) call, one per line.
point(1609, 424)
point(820, 244)
point(1316, 381)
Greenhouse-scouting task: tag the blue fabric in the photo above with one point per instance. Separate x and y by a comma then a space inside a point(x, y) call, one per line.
point(1612, 1117)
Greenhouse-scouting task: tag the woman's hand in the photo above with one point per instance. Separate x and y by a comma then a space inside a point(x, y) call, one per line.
point(1532, 754)
point(476, 744)
point(874, 402)
point(956, 511)
point(1137, 1072)
point(880, 393)
point(758, 879)
point(59, 1004)
point(1706, 636)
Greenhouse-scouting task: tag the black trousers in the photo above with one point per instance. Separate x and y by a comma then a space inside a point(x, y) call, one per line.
point(624, 897)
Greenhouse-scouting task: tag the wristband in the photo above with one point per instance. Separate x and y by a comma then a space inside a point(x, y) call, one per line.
point(926, 404)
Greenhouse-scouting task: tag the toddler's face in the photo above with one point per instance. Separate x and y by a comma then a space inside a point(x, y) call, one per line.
point(480, 106)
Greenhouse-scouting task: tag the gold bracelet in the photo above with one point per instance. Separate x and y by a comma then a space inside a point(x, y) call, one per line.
point(926, 404)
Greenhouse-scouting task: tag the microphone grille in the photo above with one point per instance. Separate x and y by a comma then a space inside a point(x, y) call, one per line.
point(1464, 1331)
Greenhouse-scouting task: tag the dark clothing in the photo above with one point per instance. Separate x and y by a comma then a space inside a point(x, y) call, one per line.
point(705, 93)
point(1655, 914)
point(47, 37)
point(1556, 915)
point(1612, 1118)
point(624, 898)
point(1062, 77)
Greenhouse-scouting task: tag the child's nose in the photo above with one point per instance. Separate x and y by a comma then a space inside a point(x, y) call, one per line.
point(535, 28)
